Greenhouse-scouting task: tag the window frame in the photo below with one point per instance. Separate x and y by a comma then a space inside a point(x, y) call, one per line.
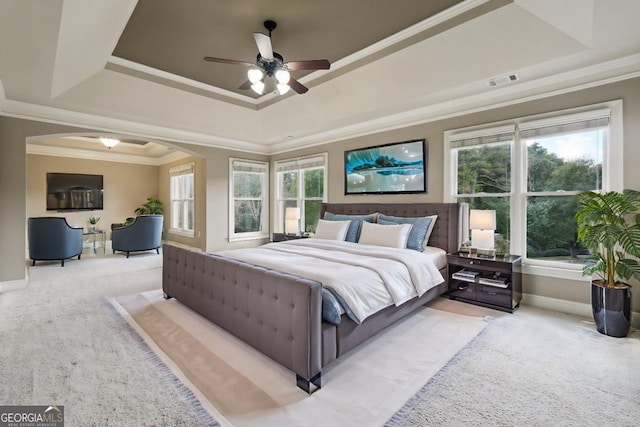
point(262, 168)
point(300, 165)
point(183, 170)
point(612, 174)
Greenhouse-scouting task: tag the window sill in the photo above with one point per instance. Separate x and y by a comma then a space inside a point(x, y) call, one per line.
point(556, 272)
point(182, 233)
point(251, 237)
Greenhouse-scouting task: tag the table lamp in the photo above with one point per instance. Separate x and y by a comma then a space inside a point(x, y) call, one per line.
point(482, 224)
point(291, 220)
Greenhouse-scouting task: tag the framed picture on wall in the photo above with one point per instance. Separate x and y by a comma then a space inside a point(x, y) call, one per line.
point(396, 168)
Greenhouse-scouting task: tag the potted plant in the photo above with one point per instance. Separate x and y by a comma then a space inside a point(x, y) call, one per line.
point(93, 220)
point(153, 205)
point(609, 227)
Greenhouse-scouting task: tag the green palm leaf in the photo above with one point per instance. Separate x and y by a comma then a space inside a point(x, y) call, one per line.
point(609, 227)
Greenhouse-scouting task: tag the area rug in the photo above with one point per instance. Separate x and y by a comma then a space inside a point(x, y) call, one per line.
point(242, 387)
point(534, 368)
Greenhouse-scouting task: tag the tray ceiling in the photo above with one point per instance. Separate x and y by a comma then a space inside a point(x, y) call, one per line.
point(174, 36)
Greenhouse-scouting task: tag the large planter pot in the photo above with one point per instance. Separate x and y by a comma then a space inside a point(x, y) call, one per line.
point(611, 309)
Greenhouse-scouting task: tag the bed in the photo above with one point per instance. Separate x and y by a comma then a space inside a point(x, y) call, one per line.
point(280, 313)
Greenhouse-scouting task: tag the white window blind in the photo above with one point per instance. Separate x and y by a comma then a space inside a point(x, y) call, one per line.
point(301, 163)
point(482, 136)
point(565, 125)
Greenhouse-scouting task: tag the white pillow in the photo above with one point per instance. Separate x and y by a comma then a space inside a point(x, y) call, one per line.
point(331, 230)
point(394, 236)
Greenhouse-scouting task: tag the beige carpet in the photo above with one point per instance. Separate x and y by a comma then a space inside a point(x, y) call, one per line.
point(241, 387)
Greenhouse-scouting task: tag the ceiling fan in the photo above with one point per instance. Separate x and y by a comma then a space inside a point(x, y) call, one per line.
point(271, 64)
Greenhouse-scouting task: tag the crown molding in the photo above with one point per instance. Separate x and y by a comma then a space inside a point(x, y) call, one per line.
point(74, 153)
point(23, 110)
point(619, 69)
point(571, 81)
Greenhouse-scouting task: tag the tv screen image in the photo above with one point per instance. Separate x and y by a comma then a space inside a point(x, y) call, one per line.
point(74, 192)
point(395, 168)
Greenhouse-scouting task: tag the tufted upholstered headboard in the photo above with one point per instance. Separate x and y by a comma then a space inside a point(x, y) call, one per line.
point(445, 231)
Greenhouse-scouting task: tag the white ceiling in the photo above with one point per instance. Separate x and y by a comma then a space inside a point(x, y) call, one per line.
point(56, 65)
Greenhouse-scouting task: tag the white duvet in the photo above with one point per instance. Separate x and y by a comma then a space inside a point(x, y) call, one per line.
point(368, 278)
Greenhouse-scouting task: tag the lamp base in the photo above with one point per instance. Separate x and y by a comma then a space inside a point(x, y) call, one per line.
point(482, 239)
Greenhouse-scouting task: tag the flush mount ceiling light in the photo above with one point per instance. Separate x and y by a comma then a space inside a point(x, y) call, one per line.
point(271, 64)
point(109, 142)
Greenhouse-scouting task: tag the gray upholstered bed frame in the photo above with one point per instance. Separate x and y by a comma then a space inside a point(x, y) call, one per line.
point(281, 314)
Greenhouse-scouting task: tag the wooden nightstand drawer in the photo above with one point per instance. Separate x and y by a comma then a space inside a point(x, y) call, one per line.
point(460, 289)
point(494, 295)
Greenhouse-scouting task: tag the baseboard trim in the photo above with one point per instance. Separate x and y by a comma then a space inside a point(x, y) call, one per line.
point(570, 307)
point(13, 285)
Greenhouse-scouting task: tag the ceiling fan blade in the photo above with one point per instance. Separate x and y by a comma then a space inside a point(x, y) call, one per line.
point(246, 85)
point(227, 61)
point(264, 45)
point(314, 64)
point(297, 86)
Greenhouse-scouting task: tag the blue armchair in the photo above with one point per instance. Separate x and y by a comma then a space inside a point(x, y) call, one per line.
point(52, 238)
point(144, 234)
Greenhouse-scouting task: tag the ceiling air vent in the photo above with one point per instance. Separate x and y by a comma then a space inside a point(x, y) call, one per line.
point(498, 81)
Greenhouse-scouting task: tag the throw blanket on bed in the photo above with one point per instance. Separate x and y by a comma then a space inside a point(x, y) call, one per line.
point(367, 278)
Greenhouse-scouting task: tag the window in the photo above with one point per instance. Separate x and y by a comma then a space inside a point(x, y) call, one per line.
point(248, 206)
point(182, 196)
point(301, 183)
point(530, 170)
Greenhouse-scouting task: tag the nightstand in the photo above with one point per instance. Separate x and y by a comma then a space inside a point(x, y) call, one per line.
point(490, 282)
point(281, 237)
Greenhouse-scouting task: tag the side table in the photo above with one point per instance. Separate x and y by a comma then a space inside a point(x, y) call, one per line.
point(95, 233)
point(281, 237)
point(490, 282)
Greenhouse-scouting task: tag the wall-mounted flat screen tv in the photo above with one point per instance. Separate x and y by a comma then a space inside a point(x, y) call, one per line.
point(74, 192)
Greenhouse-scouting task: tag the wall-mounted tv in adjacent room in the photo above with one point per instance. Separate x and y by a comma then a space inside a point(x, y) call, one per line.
point(74, 192)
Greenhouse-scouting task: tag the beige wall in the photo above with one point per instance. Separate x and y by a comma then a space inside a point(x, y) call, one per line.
point(200, 202)
point(628, 91)
point(217, 196)
point(13, 190)
point(121, 198)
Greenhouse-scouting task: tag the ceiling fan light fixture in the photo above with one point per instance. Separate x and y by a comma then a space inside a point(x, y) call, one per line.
point(258, 87)
point(282, 88)
point(109, 142)
point(283, 76)
point(255, 74)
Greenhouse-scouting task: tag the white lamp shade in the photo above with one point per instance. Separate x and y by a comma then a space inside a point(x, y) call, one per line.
point(282, 76)
point(255, 75)
point(292, 213)
point(482, 219)
point(482, 223)
point(292, 220)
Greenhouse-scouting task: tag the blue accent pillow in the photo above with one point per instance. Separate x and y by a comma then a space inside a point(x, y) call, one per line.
point(418, 232)
point(353, 233)
point(331, 308)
